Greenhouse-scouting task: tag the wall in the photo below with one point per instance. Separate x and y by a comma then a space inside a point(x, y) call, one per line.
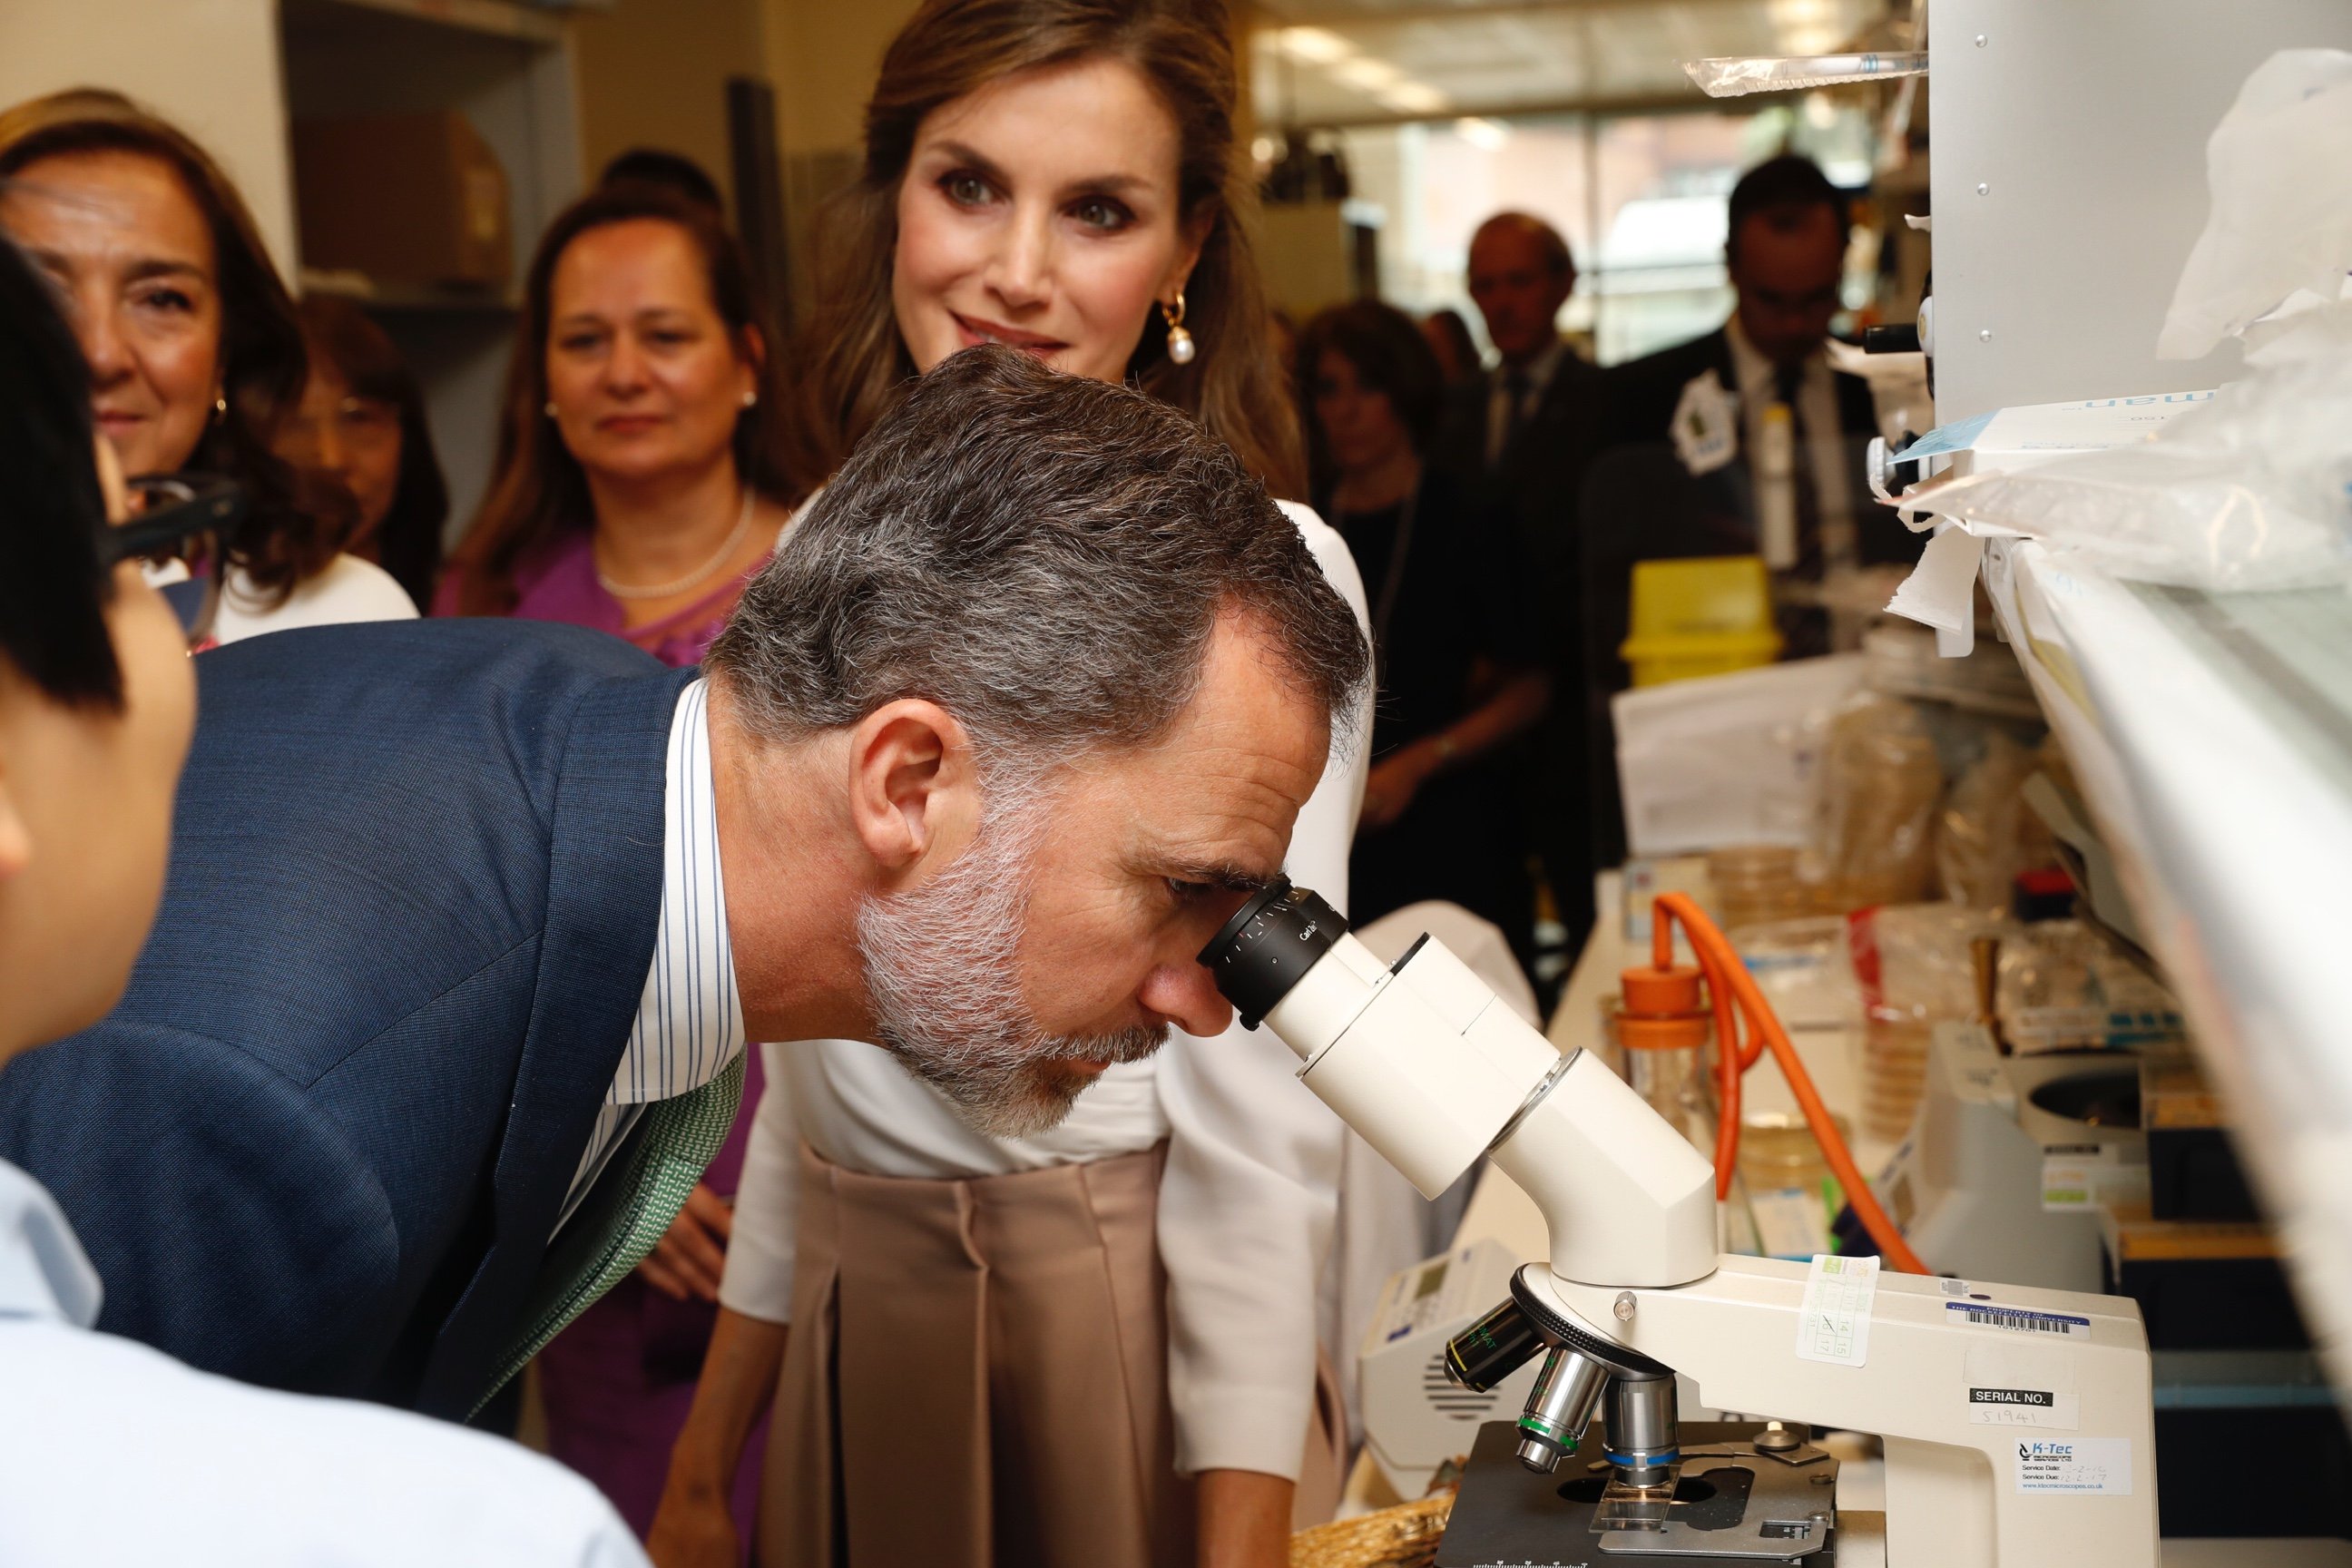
point(209, 66)
point(653, 73)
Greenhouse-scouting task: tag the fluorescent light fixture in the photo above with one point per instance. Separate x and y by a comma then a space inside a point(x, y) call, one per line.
point(1486, 135)
point(1414, 98)
point(1366, 75)
point(1316, 46)
point(1789, 14)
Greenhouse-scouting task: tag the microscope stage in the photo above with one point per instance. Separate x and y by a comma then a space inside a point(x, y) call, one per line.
point(1731, 1505)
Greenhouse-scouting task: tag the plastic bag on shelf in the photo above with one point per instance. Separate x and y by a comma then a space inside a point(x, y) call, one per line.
point(2280, 224)
point(2255, 490)
point(2251, 491)
point(2062, 986)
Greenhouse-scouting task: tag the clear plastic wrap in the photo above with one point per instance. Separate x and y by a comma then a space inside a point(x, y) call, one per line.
point(2252, 490)
point(1916, 969)
point(1982, 837)
point(2062, 986)
point(1881, 783)
point(2281, 223)
point(1737, 77)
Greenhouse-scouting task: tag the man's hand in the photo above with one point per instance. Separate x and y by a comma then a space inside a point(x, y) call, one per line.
point(685, 1264)
point(1244, 1519)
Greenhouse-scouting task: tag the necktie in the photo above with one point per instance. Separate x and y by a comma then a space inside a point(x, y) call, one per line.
point(1515, 387)
point(626, 1214)
point(1807, 630)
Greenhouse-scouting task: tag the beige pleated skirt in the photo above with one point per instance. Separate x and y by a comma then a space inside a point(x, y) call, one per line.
point(977, 1377)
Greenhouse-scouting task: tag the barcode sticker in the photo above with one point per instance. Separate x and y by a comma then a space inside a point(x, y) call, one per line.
point(1833, 1324)
point(2018, 1320)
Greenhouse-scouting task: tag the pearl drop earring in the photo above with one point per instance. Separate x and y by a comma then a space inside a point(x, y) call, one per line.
point(1180, 348)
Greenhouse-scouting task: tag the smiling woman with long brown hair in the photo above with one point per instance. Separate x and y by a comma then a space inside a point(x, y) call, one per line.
point(1061, 176)
point(638, 481)
point(1190, 327)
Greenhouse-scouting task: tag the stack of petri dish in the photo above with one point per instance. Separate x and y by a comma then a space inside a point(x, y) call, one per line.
point(1755, 884)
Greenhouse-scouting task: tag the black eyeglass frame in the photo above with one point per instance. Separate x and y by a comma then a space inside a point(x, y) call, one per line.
point(199, 512)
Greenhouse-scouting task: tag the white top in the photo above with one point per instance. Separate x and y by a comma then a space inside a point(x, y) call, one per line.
point(115, 1455)
point(1246, 1204)
point(1817, 408)
point(689, 1021)
point(349, 589)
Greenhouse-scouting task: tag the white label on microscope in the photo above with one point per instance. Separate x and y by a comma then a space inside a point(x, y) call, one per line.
point(2088, 1467)
point(2020, 1319)
point(2018, 1383)
point(1833, 1325)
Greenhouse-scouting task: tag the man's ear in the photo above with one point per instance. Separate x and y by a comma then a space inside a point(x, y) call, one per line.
point(914, 788)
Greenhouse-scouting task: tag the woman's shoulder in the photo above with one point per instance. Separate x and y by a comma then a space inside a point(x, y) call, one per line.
point(360, 588)
point(1330, 552)
point(346, 590)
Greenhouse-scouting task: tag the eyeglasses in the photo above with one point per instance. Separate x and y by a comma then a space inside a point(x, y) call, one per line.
point(182, 517)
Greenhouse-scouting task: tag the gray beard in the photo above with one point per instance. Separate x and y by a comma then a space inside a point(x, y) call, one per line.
point(943, 984)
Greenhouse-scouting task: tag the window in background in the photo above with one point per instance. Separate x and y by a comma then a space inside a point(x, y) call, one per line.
point(1639, 197)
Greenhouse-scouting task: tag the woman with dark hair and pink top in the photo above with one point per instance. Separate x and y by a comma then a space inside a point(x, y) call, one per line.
point(635, 493)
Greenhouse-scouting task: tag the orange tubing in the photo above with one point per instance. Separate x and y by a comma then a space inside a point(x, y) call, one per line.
point(1735, 996)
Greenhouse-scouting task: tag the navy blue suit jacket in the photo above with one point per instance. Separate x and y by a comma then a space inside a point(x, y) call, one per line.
point(415, 877)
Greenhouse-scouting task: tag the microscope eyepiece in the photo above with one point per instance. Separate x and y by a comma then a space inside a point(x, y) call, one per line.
point(1269, 945)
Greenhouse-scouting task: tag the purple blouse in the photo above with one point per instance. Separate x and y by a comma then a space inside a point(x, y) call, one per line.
point(559, 583)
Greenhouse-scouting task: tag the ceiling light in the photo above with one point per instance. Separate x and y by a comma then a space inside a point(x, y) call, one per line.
point(1316, 46)
point(1486, 135)
point(1414, 98)
point(1366, 74)
point(1789, 14)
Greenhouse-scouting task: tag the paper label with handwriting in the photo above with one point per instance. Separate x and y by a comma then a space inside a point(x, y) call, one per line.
point(1833, 1324)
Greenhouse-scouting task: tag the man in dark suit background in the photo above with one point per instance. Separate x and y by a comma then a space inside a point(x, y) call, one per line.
point(1744, 441)
point(468, 923)
point(1525, 429)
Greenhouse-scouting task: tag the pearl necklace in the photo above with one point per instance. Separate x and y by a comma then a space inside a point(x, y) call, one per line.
point(693, 579)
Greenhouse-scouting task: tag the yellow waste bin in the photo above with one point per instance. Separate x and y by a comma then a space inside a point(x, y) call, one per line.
point(1706, 617)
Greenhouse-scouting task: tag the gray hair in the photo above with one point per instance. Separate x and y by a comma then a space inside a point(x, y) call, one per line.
point(1042, 555)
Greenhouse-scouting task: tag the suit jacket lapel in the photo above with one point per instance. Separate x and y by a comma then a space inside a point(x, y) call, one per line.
point(604, 907)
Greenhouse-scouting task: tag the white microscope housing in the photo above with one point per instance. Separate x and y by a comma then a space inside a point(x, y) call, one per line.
point(1423, 1062)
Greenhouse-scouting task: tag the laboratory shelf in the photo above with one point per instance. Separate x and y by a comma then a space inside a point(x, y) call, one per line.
point(2211, 737)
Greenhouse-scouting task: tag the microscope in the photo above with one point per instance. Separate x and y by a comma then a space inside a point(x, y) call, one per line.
point(2017, 1423)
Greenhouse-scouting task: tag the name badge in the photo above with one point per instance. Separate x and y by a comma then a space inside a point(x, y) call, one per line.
point(1707, 424)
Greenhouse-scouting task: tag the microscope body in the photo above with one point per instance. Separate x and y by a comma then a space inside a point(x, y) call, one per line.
point(2018, 1424)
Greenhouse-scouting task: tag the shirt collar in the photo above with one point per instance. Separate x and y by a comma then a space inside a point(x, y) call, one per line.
point(689, 1021)
point(1754, 373)
point(44, 1273)
point(1540, 369)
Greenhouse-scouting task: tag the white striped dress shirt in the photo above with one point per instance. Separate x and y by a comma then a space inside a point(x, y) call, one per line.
point(689, 1023)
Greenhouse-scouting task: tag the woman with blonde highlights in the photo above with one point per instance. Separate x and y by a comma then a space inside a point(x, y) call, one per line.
point(1110, 1357)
